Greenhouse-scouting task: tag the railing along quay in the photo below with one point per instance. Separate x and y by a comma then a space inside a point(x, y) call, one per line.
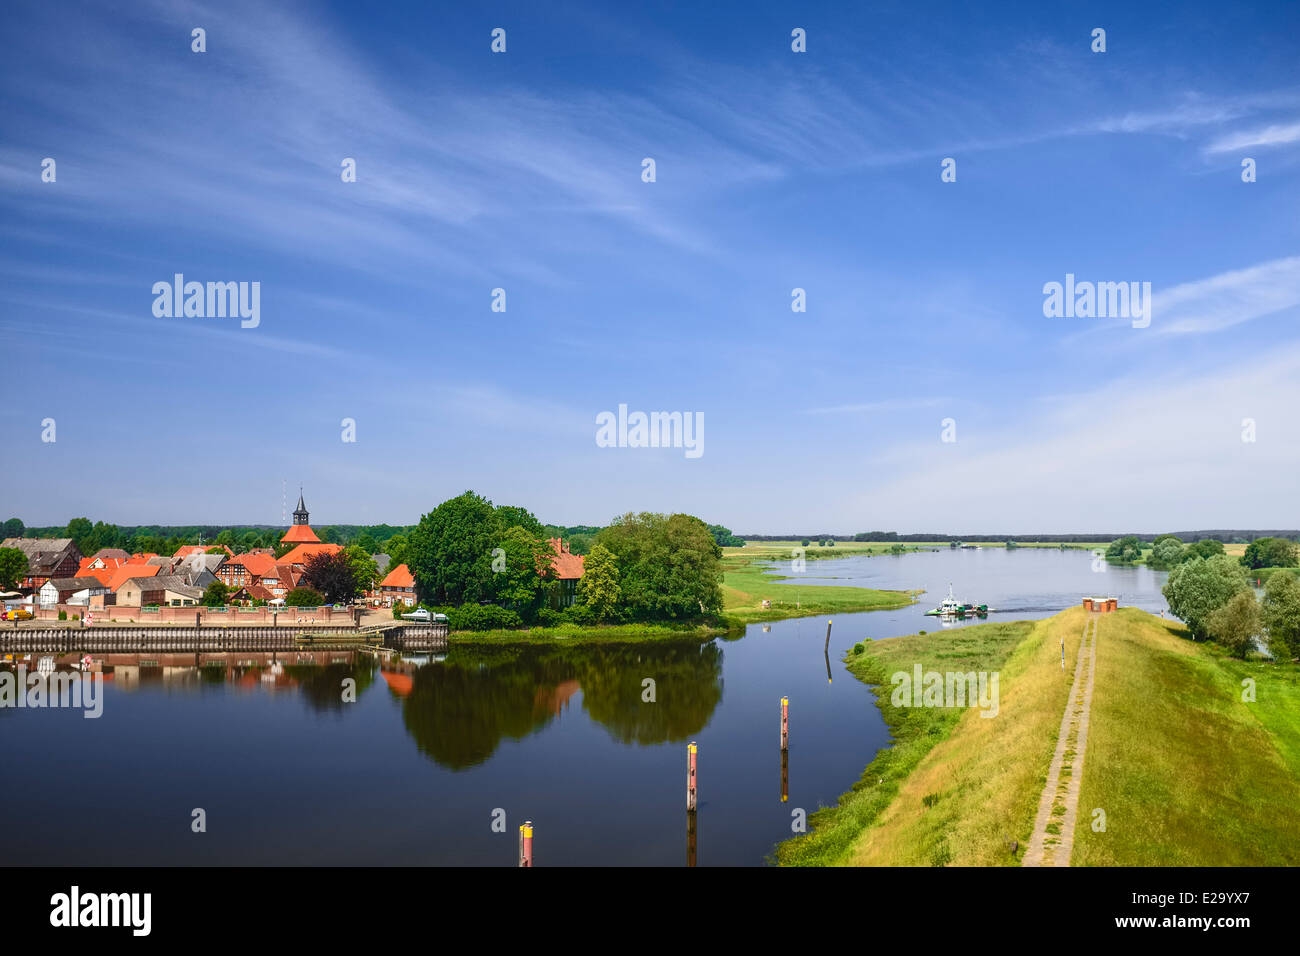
point(169, 639)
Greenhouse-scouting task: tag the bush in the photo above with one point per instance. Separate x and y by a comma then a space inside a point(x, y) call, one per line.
point(857, 648)
point(63, 615)
point(483, 617)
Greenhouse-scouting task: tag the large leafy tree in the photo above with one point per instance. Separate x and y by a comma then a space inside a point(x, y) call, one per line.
point(14, 528)
point(1236, 623)
point(450, 551)
point(1125, 549)
point(1280, 614)
point(364, 569)
point(598, 587)
point(1205, 548)
point(521, 570)
point(512, 516)
point(332, 575)
point(1167, 553)
point(1269, 553)
point(1199, 587)
point(13, 567)
point(669, 566)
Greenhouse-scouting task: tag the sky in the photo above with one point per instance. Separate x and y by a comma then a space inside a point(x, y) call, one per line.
point(775, 170)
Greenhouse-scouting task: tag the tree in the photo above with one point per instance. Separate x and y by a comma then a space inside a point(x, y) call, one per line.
point(216, 595)
point(332, 575)
point(450, 551)
point(725, 538)
point(364, 569)
point(1126, 549)
point(1200, 586)
point(1167, 552)
point(14, 528)
point(227, 538)
point(521, 571)
point(598, 587)
point(79, 530)
point(303, 597)
point(669, 566)
point(512, 516)
point(397, 549)
point(1269, 553)
point(1205, 548)
point(366, 542)
point(1236, 623)
point(13, 567)
point(1280, 615)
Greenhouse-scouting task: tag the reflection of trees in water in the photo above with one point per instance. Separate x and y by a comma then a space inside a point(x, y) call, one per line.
point(688, 687)
point(459, 710)
point(322, 685)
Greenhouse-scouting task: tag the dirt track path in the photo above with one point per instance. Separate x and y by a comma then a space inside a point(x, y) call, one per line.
point(1053, 838)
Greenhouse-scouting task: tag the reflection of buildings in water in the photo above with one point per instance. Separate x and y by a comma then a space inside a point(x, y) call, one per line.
point(244, 669)
point(555, 699)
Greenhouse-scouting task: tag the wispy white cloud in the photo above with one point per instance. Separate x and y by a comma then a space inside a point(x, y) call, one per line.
point(1274, 135)
point(1227, 299)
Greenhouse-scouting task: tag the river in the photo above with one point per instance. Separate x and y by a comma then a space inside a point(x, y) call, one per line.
point(438, 761)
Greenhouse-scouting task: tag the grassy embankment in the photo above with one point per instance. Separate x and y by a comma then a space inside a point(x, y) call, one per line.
point(1187, 773)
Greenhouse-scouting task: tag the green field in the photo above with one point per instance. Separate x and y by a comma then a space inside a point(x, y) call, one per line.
point(746, 585)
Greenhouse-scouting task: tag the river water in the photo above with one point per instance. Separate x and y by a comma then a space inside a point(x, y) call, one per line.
point(438, 761)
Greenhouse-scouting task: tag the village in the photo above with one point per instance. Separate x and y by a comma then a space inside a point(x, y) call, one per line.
point(112, 585)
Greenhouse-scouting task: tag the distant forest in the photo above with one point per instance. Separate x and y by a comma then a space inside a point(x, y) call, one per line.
point(166, 539)
point(1229, 536)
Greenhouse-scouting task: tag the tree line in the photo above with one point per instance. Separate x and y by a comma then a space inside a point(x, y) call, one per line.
point(490, 566)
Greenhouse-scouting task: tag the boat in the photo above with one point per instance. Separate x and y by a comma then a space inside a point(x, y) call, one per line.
point(951, 607)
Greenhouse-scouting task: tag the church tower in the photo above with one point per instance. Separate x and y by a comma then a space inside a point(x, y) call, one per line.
point(300, 513)
point(300, 531)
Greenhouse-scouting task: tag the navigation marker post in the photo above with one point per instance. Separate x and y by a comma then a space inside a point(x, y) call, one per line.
point(526, 843)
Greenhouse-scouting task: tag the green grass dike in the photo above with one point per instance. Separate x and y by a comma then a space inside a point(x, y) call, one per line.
point(1185, 768)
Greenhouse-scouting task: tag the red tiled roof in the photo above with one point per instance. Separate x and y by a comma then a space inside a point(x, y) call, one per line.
point(141, 558)
point(128, 571)
point(300, 554)
point(300, 534)
point(566, 564)
point(103, 575)
point(186, 550)
point(399, 577)
point(255, 564)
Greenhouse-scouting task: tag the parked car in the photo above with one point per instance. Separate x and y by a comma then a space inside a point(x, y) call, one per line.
point(17, 614)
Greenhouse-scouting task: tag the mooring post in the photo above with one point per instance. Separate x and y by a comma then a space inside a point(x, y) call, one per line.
point(690, 837)
point(785, 723)
point(526, 843)
point(691, 753)
point(828, 635)
point(785, 775)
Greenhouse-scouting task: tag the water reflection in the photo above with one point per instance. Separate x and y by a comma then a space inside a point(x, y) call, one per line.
point(459, 710)
point(458, 707)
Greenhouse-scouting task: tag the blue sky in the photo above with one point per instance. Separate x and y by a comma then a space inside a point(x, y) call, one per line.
point(775, 170)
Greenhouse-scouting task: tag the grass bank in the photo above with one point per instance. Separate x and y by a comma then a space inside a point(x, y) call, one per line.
point(1186, 771)
point(905, 778)
point(601, 633)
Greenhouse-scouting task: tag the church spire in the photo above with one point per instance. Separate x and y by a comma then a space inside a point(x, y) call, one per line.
point(300, 513)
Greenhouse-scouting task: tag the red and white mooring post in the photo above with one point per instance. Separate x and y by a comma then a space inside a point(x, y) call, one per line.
point(692, 753)
point(526, 844)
